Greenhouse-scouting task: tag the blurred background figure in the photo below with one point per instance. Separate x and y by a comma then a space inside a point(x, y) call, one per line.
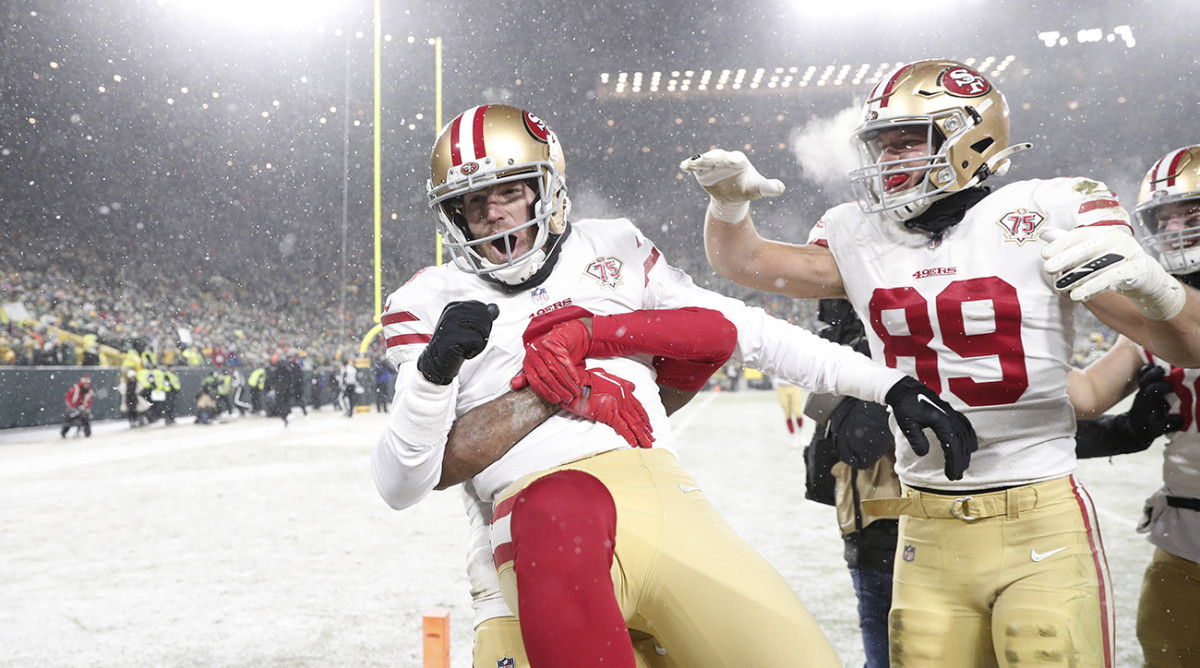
point(385, 379)
point(256, 382)
point(173, 388)
point(207, 407)
point(791, 399)
point(350, 387)
point(79, 407)
point(134, 404)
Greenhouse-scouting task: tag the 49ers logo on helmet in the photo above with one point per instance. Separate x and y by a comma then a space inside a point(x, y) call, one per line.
point(537, 127)
point(965, 82)
point(469, 168)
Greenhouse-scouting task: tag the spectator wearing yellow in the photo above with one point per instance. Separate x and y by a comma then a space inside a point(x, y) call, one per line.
point(131, 360)
point(192, 357)
point(257, 381)
point(149, 358)
point(224, 385)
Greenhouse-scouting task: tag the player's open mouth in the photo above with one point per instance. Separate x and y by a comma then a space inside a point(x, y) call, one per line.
point(895, 182)
point(505, 244)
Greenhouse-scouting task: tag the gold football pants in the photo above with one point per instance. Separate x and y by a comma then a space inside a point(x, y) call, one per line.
point(682, 575)
point(1010, 578)
point(1168, 617)
point(791, 399)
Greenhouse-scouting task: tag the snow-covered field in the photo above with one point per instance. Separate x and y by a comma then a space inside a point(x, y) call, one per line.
point(251, 544)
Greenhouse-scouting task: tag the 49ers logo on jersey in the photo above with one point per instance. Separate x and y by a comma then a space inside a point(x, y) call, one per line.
point(606, 271)
point(965, 82)
point(1021, 226)
point(537, 127)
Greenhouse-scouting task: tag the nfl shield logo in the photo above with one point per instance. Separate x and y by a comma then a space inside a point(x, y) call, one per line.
point(506, 662)
point(910, 553)
point(539, 295)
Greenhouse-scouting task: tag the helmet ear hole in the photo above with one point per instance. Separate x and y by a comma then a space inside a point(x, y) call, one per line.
point(982, 145)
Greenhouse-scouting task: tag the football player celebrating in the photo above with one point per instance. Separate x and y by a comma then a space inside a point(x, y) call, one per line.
point(597, 537)
point(1168, 620)
point(1003, 566)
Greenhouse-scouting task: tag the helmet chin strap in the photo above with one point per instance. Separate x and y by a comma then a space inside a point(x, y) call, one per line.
point(998, 165)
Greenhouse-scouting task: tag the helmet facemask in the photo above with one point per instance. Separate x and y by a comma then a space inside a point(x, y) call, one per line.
point(1173, 183)
point(550, 200)
point(871, 180)
point(1179, 249)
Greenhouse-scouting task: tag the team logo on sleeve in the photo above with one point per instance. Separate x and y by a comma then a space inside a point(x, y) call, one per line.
point(606, 271)
point(1021, 225)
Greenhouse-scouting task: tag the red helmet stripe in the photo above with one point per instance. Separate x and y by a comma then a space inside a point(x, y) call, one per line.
point(1165, 169)
point(455, 152)
point(891, 85)
point(477, 131)
point(466, 136)
point(1176, 161)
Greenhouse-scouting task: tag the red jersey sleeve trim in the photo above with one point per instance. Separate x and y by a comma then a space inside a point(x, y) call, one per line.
point(1092, 205)
point(406, 339)
point(396, 318)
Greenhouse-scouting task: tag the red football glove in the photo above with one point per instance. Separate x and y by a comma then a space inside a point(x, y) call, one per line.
point(553, 362)
point(609, 399)
point(689, 345)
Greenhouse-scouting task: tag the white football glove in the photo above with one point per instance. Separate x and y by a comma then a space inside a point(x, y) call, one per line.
point(731, 181)
point(1086, 261)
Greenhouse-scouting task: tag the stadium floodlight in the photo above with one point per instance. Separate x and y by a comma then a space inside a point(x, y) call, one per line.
point(262, 14)
point(779, 79)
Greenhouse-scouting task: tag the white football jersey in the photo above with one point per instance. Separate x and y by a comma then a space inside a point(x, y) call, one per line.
point(1177, 530)
point(972, 315)
point(605, 267)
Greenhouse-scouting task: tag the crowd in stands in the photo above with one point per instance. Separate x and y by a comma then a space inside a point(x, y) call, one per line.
point(132, 294)
point(184, 307)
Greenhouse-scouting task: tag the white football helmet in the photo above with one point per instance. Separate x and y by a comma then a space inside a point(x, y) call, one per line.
point(1174, 179)
point(965, 121)
point(485, 146)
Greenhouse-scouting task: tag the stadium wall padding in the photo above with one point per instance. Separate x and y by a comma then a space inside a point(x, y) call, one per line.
point(35, 396)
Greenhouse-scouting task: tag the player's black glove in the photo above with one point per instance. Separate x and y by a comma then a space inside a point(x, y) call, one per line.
point(1135, 430)
point(861, 432)
point(461, 333)
point(916, 407)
